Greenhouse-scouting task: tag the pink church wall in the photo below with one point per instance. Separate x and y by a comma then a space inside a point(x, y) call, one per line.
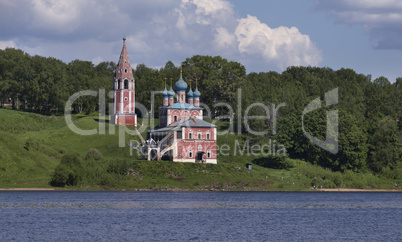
point(203, 132)
point(184, 147)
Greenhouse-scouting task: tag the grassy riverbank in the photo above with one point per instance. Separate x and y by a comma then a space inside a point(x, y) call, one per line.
point(32, 145)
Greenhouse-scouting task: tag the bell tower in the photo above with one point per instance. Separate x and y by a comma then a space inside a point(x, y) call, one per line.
point(123, 112)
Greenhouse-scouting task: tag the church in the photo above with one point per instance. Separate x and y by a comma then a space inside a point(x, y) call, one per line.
point(123, 112)
point(182, 135)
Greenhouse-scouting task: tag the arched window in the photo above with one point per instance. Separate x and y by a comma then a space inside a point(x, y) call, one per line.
point(209, 154)
point(125, 84)
point(208, 135)
point(118, 84)
point(199, 135)
point(190, 154)
point(175, 118)
point(190, 135)
point(125, 70)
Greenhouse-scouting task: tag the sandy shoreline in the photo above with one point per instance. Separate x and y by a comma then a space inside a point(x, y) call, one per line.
point(27, 189)
point(355, 190)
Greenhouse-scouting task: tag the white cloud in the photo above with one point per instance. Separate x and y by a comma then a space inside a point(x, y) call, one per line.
point(282, 46)
point(7, 44)
point(97, 60)
point(138, 43)
point(382, 20)
point(208, 7)
point(206, 12)
point(54, 14)
point(224, 39)
point(156, 30)
point(370, 4)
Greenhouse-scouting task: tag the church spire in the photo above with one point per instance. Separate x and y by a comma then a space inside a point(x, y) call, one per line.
point(123, 66)
point(124, 91)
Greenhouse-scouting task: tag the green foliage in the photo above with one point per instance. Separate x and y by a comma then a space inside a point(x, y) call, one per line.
point(44, 84)
point(61, 176)
point(118, 167)
point(69, 172)
point(385, 149)
point(370, 127)
point(352, 140)
point(274, 162)
point(93, 154)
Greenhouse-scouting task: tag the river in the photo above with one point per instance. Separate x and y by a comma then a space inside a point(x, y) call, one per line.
point(216, 216)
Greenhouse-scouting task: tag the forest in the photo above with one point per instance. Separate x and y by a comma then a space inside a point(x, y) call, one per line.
point(370, 130)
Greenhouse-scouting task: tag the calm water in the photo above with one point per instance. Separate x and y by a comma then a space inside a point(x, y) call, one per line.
point(200, 216)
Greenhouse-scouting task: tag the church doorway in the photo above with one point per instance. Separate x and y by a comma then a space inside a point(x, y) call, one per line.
point(153, 155)
point(200, 156)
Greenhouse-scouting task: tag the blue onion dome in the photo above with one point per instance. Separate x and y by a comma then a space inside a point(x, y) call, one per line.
point(171, 93)
point(196, 93)
point(190, 94)
point(165, 93)
point(180, 85)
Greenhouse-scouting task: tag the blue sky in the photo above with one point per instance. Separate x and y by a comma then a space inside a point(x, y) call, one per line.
point(365, 35)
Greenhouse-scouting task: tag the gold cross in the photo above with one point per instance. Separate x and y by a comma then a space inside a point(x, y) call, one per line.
point(181, 69)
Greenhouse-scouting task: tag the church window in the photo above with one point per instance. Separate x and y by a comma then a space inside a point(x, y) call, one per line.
point(190, 154)
point(125, 99)
point(118, 84)
point(209, 154)
point(125, 70)
point(199, 135)
point(175, 118)
point(208, 135)
point(190, 135)
point(126, 84)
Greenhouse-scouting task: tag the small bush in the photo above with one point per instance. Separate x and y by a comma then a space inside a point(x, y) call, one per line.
point(93, 154)
point(60, 176)
point(69, 172)
point(28, 145)
point(72, 161)
point(391, 173)
point(118, 167)
point(62, 151)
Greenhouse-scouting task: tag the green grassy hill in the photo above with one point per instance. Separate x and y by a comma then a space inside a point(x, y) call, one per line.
point(32, 146)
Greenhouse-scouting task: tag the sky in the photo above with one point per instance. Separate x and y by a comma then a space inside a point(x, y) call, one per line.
point(364, 35)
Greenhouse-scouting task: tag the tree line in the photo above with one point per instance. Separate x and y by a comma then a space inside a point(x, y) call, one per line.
point(370, 130)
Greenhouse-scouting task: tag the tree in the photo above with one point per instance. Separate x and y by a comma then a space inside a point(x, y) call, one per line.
point(218, 78)
point(69, 172)
point(352, 148)
point(385, 150)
